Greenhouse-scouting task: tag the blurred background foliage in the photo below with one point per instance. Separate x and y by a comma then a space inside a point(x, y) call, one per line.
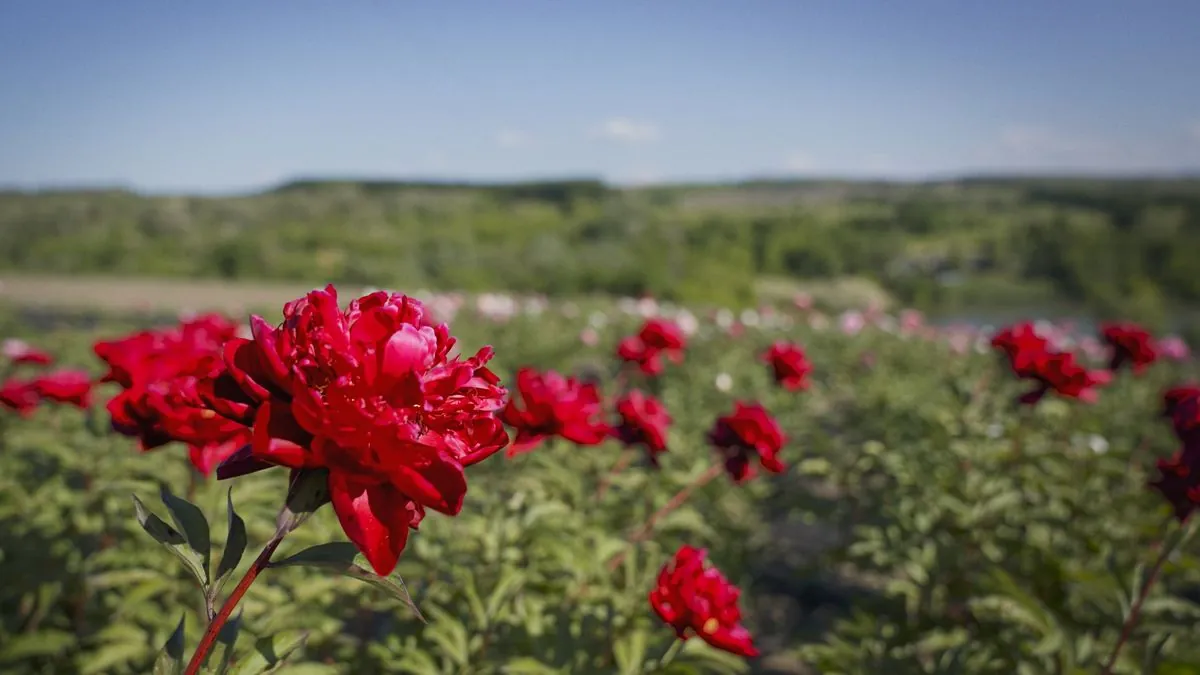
point(1105, 247)
point(924, 526)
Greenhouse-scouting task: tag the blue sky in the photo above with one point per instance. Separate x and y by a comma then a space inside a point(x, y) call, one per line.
point(226, 95)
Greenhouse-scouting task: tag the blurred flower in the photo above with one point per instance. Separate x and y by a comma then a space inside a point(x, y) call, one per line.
point(644, 422)
point(70, 387)
point(657, 337)
point(371, 394)
point(1174, 348)
point(19, 396)
point(1129, 343)
point(589, 337)
point(19, 352)
point(788, 364)
point(547, 404)
point(749, 432)
point(158, 402)
point(802, 302)
point(851, 322)
point(724, 382)
point(695, 599)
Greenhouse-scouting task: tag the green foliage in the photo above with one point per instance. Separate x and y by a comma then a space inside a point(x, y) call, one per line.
point(926, 526)
point(1116, 247)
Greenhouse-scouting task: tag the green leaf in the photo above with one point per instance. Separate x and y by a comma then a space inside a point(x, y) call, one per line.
point(510, 583)
point(170, 659)
point(630, 652)
point(32, 645)
point(340, 557)
point(339, 553)
point(526, 665)
point(174, 541)
point(190, 520)
point(270, 652)
point(235, 541)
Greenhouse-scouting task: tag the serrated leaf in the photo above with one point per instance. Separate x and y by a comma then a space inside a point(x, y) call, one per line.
point(235, 541)
point(190, 520)
point(270, 652)
point(170, 659)
point(175, 542)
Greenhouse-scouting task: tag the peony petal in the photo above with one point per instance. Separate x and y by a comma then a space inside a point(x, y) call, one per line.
point(278, 438)
point(427, 476)
point(375, 517)
point(240, 463)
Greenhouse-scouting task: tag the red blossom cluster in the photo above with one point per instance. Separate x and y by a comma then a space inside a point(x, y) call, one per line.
point(747, 433)
point(23, 395)
point(789, 365)
point(159, 372)
point(696, 599)
point(656, 339)
point(1130, 344)
point(1031, 357)
point(644, 422)
point(372, 395)
point(1179, 475)
point(548, 405)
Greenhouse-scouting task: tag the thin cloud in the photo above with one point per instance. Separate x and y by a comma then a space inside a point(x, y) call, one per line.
point(799, 162)
point(512, 138)
point(626, 130)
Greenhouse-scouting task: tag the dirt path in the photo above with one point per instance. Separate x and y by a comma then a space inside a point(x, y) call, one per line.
point(151, 295)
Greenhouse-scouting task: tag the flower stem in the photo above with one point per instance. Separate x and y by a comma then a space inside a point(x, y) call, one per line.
point(1135, 609)
point(669, 655)
point(620, 465)
point(214, 627)
point(680, 497)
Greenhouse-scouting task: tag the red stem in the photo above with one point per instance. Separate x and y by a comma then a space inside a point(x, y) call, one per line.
point(1135, 609)
point(675, 502)
point(214, 627)
point(620, 465)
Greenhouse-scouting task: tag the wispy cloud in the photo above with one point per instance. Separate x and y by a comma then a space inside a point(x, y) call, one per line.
point(512, 138)
point(799, 162)
point(626, 130)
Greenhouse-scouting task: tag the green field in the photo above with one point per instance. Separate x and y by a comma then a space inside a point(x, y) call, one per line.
point(925, 524)
point(1112, 247)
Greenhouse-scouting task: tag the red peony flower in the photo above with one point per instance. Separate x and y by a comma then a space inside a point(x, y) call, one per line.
point(19, 352)
point(1179, 480)
point(1130, 343)
point(789, 365)
point(159, 402)
point(657, 338)
point(1182, 405)
point(749, 432)
point(371, 394)
point(1023, 347)
point(72, 387)
point(553, 405)
point(1063, 375)
point(693, 598)
point(644, 422)
point(19, 396)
